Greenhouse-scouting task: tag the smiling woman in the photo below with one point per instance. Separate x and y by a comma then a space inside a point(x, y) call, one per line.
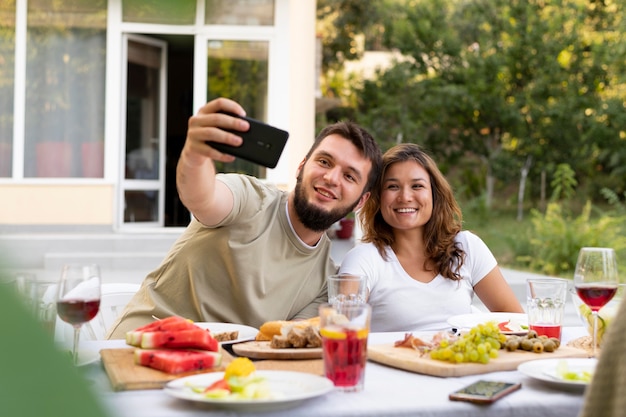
point(422, 268)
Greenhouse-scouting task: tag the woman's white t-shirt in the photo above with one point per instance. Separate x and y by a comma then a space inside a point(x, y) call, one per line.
point(401, 303)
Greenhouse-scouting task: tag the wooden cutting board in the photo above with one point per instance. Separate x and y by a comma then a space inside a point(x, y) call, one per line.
point(410, 360)
point(124, 374)
point(262, 350)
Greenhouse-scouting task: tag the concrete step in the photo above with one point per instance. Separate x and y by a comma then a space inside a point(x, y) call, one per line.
point(106, 260)
point(35, 250)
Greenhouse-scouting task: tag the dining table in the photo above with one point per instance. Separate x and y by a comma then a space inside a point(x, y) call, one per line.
point(387, 391)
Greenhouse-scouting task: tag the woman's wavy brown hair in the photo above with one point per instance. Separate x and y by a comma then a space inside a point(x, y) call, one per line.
point(442, 252)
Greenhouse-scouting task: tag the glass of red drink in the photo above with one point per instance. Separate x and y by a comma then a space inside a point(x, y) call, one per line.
point(545, 305)
point(344, 329)
point(78, 298)
point(596, 281)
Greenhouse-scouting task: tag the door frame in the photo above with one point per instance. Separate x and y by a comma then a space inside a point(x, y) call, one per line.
point(135, 184)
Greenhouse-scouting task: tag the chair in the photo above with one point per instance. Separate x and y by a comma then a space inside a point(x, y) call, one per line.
point(113, 299)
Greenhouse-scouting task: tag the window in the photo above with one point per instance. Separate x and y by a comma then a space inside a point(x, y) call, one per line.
point(7, 65)
point(65, 78)
point(170, 12)
point(239, 69)
point(240, 12)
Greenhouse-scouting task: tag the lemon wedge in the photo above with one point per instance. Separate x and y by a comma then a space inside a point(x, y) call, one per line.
point(340, 335)
point(239, 367)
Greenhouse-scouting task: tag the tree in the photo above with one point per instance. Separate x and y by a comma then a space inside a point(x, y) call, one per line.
point(505, 82)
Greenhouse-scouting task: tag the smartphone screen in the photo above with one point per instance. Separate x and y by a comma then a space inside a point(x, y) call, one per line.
point(484, 392)
point(262, 144)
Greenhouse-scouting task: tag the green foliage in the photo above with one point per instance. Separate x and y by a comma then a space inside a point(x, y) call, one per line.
point(477, 208)
point(499, 81)
point(564, 183)
point(37, 378)
point(614, 201)
point(552, 245)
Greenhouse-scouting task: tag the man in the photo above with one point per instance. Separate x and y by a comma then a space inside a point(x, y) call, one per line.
point(253, 253)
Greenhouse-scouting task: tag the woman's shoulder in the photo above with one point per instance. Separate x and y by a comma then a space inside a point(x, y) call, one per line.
point(467, 238)
point(362, 249)
point(365, 251)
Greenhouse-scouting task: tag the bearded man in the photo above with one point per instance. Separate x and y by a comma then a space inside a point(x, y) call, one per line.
point(252, 252)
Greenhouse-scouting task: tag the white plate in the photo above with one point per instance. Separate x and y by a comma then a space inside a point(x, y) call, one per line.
point(245, 332)
point(545, 370)
point(290, 389)
point(467, 321)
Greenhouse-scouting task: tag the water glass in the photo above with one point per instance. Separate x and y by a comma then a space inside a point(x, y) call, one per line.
point(545, 305)
point(39, 297)
point(347, 289)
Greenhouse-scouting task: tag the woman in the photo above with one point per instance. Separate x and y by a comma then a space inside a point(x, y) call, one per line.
point(421, 267)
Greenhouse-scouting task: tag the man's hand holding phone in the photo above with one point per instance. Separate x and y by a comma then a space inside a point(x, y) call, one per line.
point(262, 144)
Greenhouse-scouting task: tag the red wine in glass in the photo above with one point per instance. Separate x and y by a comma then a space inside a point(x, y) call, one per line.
point(78, 298)
point(77, 311)
point(596, 281)
point(596, 296)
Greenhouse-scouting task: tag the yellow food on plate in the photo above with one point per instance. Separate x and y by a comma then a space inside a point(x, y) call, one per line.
point(239, 367)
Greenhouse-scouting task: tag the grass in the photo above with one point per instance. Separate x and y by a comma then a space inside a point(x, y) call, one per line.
point(497, 230)
point(502, 233)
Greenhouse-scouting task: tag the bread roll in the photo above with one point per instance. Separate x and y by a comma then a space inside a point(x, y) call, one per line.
point(269, 329)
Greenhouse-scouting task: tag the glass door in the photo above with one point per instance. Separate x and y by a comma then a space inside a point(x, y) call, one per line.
point(143, 136)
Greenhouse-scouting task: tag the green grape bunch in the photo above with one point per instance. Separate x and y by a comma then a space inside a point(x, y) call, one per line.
point(479, 345)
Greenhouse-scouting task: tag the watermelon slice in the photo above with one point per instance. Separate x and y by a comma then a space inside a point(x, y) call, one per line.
point(172, 323)
point(175, 361)
point(196, 338)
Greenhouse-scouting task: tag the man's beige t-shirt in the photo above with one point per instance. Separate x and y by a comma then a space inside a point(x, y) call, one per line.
point(606, 395)
point(249, 269)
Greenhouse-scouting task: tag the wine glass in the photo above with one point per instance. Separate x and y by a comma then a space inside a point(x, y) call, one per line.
point(78, 298)
point(596, 281)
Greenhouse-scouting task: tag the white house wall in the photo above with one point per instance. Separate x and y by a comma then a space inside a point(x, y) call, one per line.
point(89, 201)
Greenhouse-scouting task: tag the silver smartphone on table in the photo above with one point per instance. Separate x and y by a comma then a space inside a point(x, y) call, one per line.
point(484, 392)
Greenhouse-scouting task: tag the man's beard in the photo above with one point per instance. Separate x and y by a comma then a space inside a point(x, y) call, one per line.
point(312, 217)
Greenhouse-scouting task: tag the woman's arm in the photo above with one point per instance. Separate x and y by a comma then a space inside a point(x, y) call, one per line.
point(496, 294)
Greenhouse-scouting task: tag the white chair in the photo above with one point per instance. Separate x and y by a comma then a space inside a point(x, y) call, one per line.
point(113, 299)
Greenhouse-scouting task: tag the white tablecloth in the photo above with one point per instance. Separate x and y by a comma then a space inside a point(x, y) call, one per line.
point(388, 392)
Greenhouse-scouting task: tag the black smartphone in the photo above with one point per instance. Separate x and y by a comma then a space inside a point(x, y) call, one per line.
point(262, 144)
point(485, 392)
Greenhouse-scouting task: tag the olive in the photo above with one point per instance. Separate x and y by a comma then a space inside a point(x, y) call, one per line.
point(557, 342)
point(526, 345)
point(549, 346)
point(512, 345)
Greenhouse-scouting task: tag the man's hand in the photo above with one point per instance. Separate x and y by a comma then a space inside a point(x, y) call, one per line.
point(207, 199)
point(208, 125)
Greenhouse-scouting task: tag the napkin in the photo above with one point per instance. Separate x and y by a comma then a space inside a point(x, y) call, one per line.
point(86, 290)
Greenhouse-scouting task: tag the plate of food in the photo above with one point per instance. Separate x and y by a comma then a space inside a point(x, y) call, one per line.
point(228, 333)
point(296, 339)
point(268, 390)
point(564, 372)
point(509, 323)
